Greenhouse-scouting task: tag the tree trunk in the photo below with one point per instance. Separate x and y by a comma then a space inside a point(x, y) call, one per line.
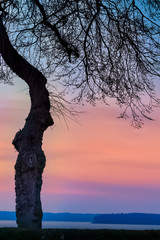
point(28, 141)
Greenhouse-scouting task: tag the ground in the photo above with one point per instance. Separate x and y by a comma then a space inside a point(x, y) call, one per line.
point(75, 234)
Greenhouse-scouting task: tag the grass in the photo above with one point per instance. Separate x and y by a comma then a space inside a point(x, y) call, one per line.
point(76, 234)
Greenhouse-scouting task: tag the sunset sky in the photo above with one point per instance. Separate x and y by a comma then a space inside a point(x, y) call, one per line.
point(101, 165)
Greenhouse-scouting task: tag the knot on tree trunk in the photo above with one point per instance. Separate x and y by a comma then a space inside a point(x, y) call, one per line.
point(17, 140)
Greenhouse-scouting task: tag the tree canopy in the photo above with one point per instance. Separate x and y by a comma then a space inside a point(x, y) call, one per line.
point(99, 48)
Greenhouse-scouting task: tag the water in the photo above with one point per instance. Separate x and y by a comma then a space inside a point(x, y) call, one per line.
point(85, 225)
point(88, 225)
point(7, 223)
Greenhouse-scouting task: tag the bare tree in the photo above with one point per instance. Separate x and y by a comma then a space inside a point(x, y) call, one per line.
point(95, 49)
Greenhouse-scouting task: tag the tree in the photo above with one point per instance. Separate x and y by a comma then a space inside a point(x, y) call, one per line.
point(95, 49)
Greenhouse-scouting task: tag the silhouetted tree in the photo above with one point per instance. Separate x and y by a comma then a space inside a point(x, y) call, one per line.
point(95, 49)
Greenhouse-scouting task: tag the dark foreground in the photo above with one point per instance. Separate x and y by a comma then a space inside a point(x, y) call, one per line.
point(70, 234)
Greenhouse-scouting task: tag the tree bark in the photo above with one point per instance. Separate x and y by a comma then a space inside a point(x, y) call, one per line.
point(28, 141)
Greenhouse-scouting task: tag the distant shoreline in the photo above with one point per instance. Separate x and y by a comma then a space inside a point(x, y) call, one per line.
point(116, 218)
point(128, 218)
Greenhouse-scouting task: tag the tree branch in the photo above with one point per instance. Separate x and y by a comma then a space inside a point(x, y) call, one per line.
point(65, 44)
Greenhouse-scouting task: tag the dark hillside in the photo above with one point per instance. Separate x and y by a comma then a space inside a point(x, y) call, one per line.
point(128, 218)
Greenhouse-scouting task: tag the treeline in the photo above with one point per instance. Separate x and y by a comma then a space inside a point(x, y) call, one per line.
point(128, 218)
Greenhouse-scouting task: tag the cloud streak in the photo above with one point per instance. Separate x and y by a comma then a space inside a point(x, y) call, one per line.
point(105, 162)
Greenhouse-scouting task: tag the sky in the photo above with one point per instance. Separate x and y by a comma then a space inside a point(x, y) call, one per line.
point(102, 165)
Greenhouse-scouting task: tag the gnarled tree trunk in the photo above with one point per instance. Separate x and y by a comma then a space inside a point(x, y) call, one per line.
point(28, 141)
